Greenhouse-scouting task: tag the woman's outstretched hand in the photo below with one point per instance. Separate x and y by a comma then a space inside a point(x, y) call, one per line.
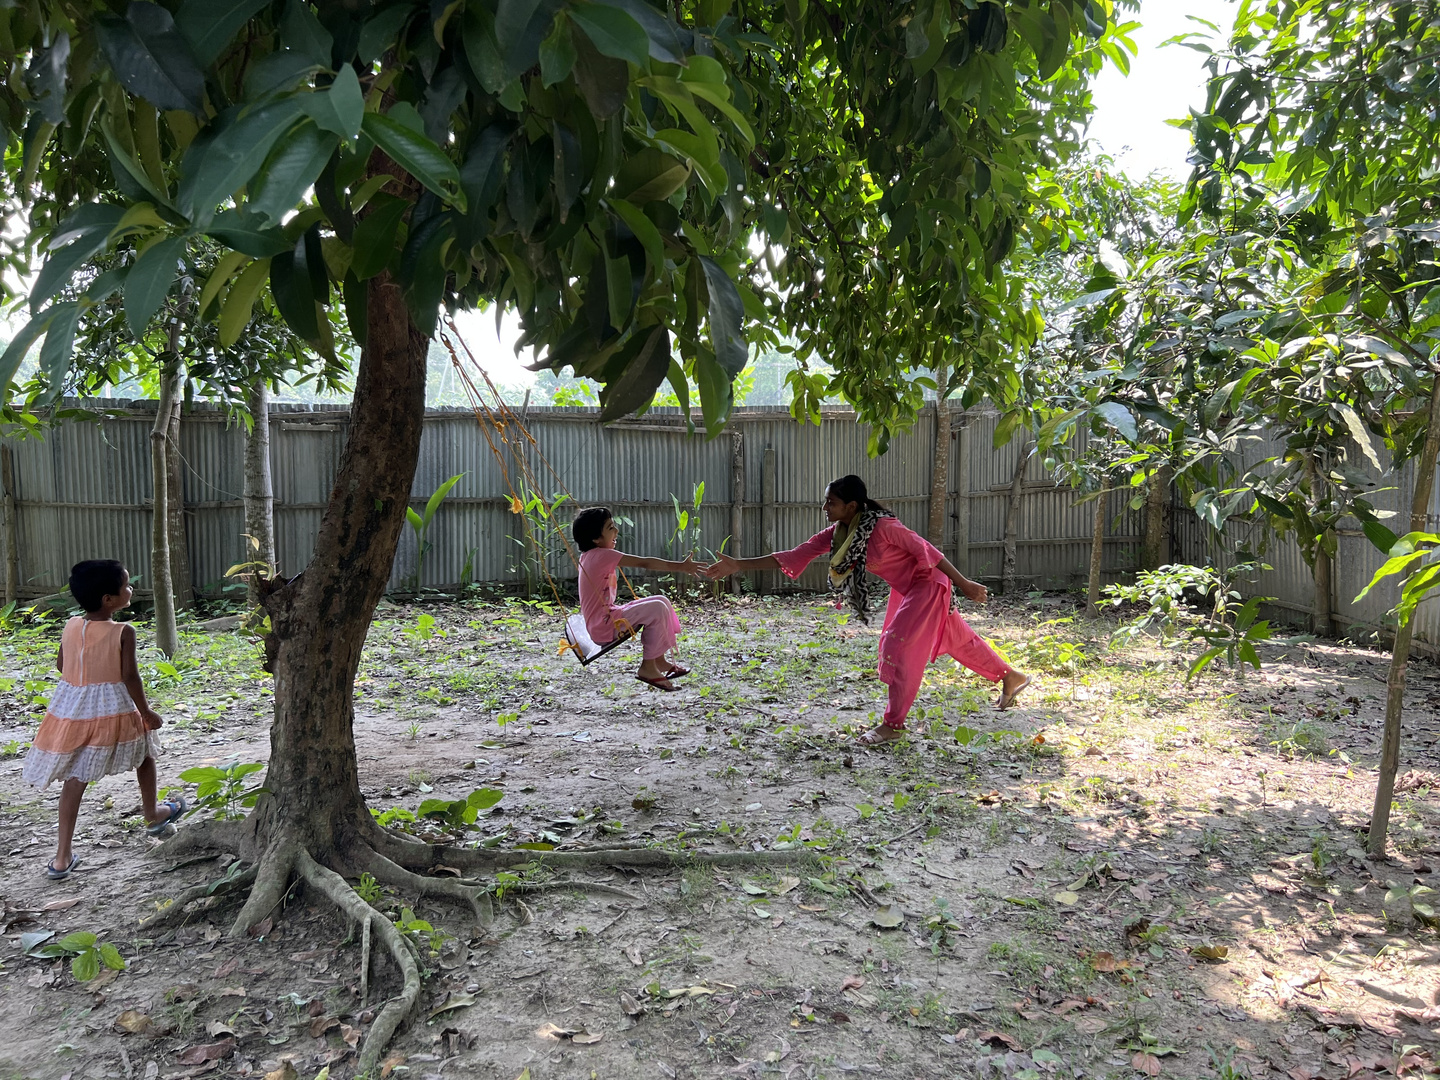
point(690, 566)
point(723, 566)
point(974, 591)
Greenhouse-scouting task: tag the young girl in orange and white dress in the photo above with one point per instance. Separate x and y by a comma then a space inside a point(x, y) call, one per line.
point(98, 722)
point(652, 616)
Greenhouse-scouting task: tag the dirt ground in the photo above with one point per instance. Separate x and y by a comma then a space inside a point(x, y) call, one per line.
point(1123, 876)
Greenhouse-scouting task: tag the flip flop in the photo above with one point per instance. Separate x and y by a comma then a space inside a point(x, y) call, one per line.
point(1006, 700)
point(871, 739)
point(177, 806)
point(677, 672)
point(661, 683)
point(61, 875)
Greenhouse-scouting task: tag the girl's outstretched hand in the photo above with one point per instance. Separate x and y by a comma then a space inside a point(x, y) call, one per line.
point(723, 566)
point(690, 566)
point(973, 590)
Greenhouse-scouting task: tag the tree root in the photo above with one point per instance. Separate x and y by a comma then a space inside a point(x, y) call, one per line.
point(417, 856)
point(208, 835)
point(176, 910)
point(570, 883)
point(477, 896)
point(272, 881)
point(333, 887)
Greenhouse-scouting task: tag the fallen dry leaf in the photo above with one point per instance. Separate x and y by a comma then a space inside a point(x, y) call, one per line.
point(554, 1032)
point(1067, 898)
point(286, 1071)
point(1089, 1025)
point(632, 952)
point(198, 1055)
point(230, 991)
point(388, 1065)
point(62, 905)
point(454, 1001)
point(852, 982)
point(887, 916)
point(587, 1038)
point(133, 1022)
point(1216, 953)
point(629, 1005)
point(1148, 1064)
point(786, 885)
point(262, 928)
point(1067, 1006)
point(999, 1038)
point(350, 1035)
point(217, 1029)
point(225, 970)
point(1104, 961)
point(321, 1024)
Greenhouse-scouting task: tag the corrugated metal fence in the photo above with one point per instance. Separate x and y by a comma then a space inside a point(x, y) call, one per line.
point(84, 491)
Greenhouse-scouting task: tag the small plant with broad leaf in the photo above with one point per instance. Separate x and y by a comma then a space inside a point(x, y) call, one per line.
point(88, 954)
point(1410, 900)
point(223, 790)
point(542, 529)
point(457, 814)
point(1415, 558)
point(420, 523)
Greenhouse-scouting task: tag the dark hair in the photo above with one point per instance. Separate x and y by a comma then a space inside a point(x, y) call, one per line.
point(94, 579)
point(588, 525)
point(852, 489)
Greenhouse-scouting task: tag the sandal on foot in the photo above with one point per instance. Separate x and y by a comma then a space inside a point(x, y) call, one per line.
point(1006, 700)
point(677, 672)
point(661, 682)
point(873, 737)
point(177, 807)
point(60, 875)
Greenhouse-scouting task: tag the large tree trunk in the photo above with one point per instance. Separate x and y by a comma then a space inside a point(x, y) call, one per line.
point(167, 638)
point(1097, 556)
point(259, 492)
point(940, 470)
point(320, 620)
point(1400, 654)
point(181, 585)
point(1012, 522)
point(1156, 550)
point(12, 525)
point(1322, 623)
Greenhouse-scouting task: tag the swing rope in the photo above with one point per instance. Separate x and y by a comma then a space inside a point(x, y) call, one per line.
point(502, 424)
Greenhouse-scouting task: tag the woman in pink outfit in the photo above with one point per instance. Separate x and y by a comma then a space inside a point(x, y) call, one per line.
point(919, 622)
point(653, 617)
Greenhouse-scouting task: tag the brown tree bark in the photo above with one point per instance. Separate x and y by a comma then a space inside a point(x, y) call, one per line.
point(167, 638)
point(1012, 522)
point(181, 585)
point(259, 491)
point(1155, 552)
point(1097, 557)
point(940, 469)
point(1400, 652)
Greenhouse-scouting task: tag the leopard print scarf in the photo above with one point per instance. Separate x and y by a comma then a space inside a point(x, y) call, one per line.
point(848, 548)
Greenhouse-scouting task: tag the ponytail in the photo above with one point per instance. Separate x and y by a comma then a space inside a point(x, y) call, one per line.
point(851, 488)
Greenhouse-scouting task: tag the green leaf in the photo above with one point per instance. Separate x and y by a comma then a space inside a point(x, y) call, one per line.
point(375, 246)
point(650, 175)
point(282, 70)
point(225, 268)
point(417, 155)
point(414, 519)
point(727, 319)
point(59, 346)
point(1120, 418)
point(301, 30)
point(290, 171)
point(520, 26)
point(215, 168)
point(642, 376)
point(1006, 428)
point(60, 267)
point(613, 32)
point(149, 281)
point(235, 314)
point(380, 32)
point(422, 269)
point(557, 55)
point(485, 798)
point(341, 107)
point(1360, 434)
point(85, 966)
point(716, 391)
point(111, 958)
point(439, 496)
point(661, 33)
point(246, 233)
point(80, 939)
point(644, 230)
point(1379, 535)
point(210, 25)
point(482, 50)
point(151, 58)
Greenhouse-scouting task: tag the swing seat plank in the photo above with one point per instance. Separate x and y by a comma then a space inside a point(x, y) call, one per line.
point(585, 648)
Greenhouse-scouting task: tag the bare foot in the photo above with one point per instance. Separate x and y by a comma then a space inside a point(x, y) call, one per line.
point(1010, 687)
point(880, 735)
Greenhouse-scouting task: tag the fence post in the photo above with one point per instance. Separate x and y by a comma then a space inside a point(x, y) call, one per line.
point(737, 497)
point(767, 515)
point(12, 525)
point(962, 495)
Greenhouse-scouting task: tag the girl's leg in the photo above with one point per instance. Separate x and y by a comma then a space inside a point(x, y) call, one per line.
point(145, 776)
point(70, 794)
point(658, 630)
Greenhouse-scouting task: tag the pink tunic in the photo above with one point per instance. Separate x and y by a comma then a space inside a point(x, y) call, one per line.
point(653, 616)
point(920, 625)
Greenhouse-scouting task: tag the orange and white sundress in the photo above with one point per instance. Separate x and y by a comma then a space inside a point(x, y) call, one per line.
point(92, 727)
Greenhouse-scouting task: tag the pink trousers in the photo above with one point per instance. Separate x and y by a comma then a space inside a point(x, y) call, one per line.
point(920, 627)
point(655, 618)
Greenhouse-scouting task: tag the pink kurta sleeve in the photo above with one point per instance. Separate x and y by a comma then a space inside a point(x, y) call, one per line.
point(793, 562)
point(907, 543)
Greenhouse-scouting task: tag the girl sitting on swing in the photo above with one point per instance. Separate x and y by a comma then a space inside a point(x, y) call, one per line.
point(653, 617)
point(920, 624)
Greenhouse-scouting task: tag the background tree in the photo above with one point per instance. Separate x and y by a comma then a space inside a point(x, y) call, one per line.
point(597, 165)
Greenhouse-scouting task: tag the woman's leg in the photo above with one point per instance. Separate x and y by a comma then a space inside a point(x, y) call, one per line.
point(906, 647)
point(70, 793)
point(970, 649)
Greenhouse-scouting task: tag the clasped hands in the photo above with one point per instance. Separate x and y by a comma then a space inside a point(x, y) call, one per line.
point(723, 566)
